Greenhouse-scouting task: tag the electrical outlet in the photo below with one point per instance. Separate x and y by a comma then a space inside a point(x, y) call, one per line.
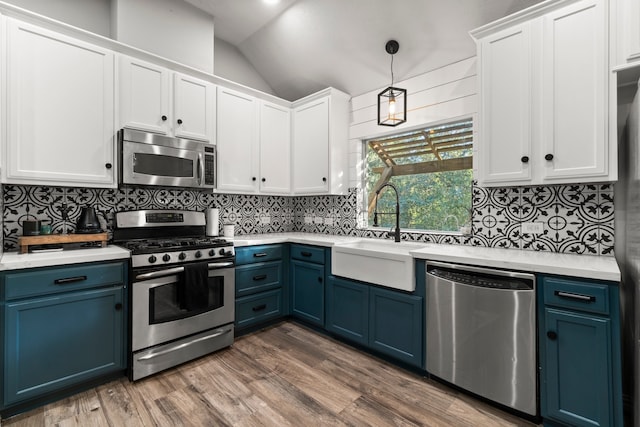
point(532, 228)
point(308, 219)
point(328, 221)
point(318, 220)
point(265, 219)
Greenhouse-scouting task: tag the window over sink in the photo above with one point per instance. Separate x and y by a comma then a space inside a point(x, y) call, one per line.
point(432, 169)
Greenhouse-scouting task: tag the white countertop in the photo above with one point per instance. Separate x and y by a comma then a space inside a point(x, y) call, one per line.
point(16, 261)
point(584, 266)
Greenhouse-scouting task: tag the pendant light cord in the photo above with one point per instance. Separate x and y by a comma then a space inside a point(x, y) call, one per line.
point(391, 70)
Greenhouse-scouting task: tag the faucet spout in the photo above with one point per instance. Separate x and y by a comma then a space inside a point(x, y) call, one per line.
point(396, 233)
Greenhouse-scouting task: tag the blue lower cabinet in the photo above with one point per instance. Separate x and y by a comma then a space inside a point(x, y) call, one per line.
point(259, 308)
point(579, 352)
point(307, 291)
point(60, 340)
point(395, 325)
point(577, 368)
point(348, 309)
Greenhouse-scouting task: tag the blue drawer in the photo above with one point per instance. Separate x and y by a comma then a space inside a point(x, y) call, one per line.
point(262, 253)
point(51, 280)
point(258, 277)
point(576, 295)
point(258, 308)
point(308, 253)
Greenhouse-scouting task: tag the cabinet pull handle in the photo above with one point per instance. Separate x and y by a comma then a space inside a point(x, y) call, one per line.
point(548, 157)
point(552, 335)
point(68, 280)
point(578, 297)
point(259, 254)
point(305, 254)
point(118, 307)
point(259, 307)
point(319, 279)
point(260, 277)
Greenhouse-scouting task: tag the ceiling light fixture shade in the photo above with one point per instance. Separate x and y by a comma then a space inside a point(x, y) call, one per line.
point(392, 102)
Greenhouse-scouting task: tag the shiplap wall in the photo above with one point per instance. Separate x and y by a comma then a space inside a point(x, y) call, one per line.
point(437, 96)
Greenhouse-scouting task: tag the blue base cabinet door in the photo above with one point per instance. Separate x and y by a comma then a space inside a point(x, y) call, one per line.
point(396, 325)
point(348, 310)
point(60, 340)
point(578, 367)
point(307, 284)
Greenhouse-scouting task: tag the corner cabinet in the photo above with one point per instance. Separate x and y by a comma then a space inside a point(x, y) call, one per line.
point(307, 283)
point(320, 143)
point(542, 118)
point(156, 99)
point(59, 110)
point(62, 326)
point(579, 352)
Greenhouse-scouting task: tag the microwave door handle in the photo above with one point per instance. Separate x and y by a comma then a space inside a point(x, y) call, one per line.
point(200, 169)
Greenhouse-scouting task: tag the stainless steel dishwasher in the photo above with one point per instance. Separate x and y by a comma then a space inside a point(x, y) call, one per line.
point(481, 332)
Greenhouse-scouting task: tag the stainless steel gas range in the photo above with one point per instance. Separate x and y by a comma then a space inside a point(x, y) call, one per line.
point(182, 288)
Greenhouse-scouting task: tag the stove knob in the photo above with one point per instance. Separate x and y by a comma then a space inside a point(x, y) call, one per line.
point(152, 259)
point(182, 256)
point(198, 254)
point(222, 252)
point(166, 258)
point(212, 252)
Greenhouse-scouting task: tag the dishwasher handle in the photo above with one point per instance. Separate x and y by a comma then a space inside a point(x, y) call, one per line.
point(481, 270)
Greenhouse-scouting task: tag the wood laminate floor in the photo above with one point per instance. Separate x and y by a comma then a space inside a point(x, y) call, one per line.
point(285, 375)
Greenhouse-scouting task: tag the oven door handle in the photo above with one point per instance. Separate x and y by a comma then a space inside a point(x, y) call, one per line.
point(178, 270)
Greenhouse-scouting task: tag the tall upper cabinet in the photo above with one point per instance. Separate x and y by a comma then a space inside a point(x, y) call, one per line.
point(320, 143)
point(59, 109)
point(627, 31)
point(156, 99)
point(544, 96)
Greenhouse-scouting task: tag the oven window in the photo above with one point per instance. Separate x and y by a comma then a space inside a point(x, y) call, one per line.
point(159, 165)
point(165, 302)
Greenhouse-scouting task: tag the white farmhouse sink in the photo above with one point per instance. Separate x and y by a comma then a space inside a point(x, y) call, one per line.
point(381, 262)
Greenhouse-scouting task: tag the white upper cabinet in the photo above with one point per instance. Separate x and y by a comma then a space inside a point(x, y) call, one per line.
point(237, 141)
point(320, 143)
point(504, 150)
point(626, 24)
point(155, 99)
point(544, 96)
point(275, 149)
point(59, 115)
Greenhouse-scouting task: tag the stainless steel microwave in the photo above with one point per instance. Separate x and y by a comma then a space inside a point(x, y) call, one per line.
point(162, 161)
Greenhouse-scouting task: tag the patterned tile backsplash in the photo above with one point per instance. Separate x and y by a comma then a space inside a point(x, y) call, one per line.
point(575, 218)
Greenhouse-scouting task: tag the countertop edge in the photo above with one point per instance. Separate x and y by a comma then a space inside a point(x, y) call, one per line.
point(16, 261)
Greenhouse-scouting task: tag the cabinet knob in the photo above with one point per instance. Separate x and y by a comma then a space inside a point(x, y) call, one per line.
point(264, 179)
point(552, 335)
point(179, 121)
point(118, 307)
point(524, 159)
point(324, 179)
point(319, 279)
point(164, 118)
point(108, 165)
point(548, 157)
point(253, 178)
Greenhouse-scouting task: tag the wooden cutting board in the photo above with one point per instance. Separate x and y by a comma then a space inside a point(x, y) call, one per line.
point(59, 239)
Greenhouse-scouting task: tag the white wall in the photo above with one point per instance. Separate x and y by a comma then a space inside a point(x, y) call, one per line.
point(232, 65)
point(436, 96)
point(90, 15)
point(170, 28)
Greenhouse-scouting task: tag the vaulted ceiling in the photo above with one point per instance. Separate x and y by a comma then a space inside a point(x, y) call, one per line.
point(302, 46)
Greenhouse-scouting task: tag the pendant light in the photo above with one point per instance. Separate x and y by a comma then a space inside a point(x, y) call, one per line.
point(392, 102)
